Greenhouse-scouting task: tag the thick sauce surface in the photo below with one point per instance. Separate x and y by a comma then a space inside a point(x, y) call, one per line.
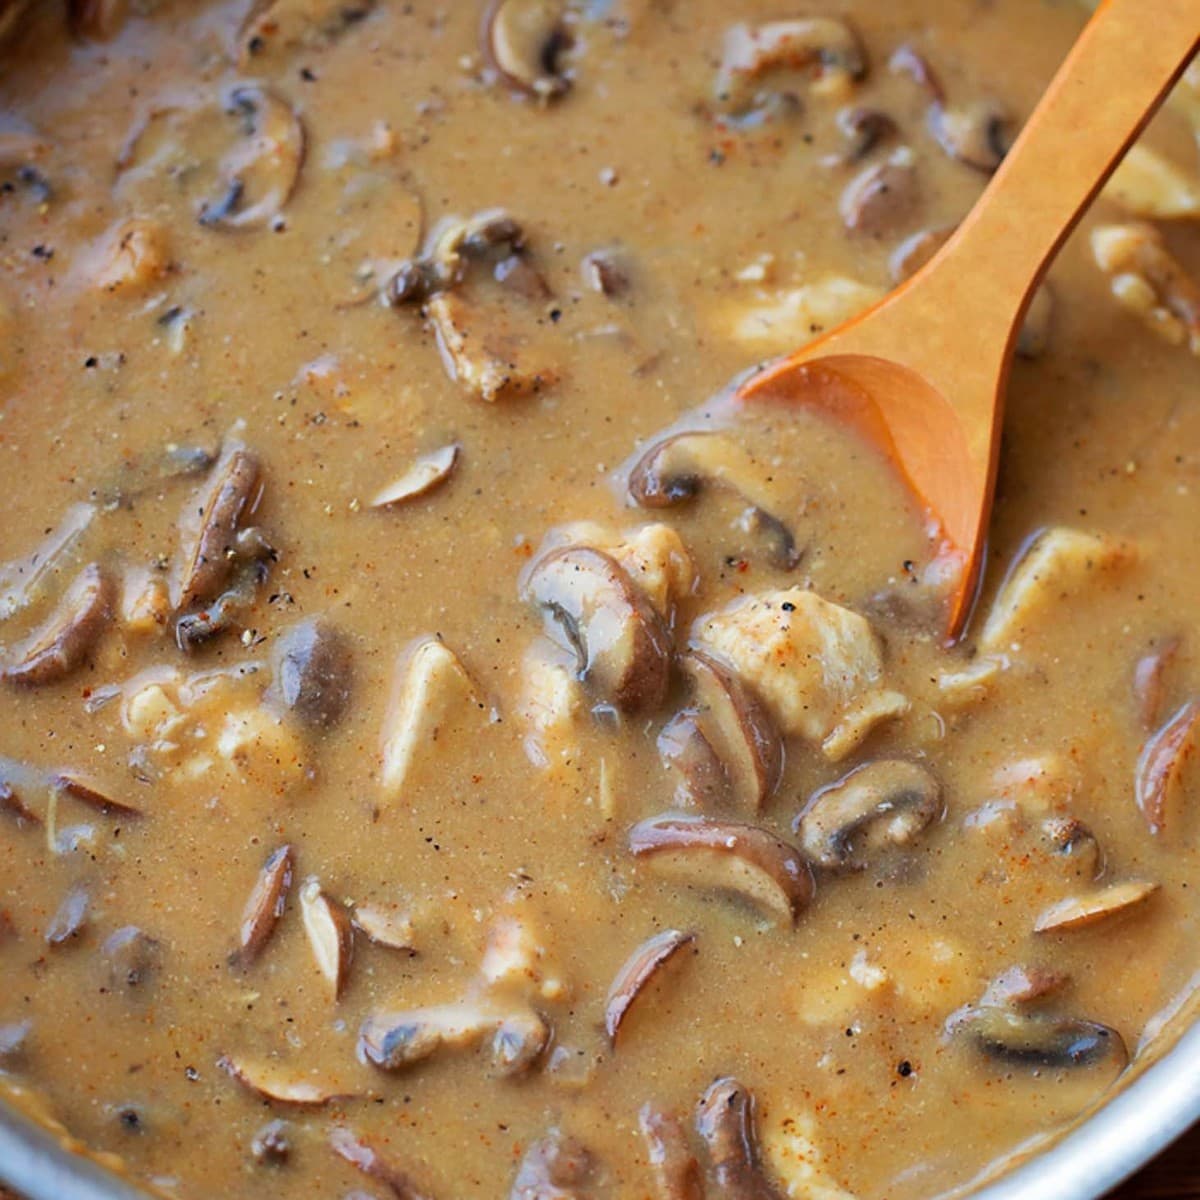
point(573, 687)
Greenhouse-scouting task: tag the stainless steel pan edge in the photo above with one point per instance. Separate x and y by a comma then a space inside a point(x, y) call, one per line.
point(1113, 1143)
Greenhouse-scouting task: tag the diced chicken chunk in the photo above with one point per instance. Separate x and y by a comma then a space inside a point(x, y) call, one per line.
point(792, 1154)
point(1058, 563)
point(215, 727)
point(133, 256)
point(1147, 280)
point(817, 666)
point(1147, 184)
point(1042, 785)
point(515, 958)
point(434, 699)
point(551, 707)
point(779, 320)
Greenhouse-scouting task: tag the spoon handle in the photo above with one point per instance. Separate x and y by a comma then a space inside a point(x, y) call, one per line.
point(1102, 96)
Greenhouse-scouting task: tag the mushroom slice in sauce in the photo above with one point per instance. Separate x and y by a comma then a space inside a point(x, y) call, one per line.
point(1040, 1040)
point(555, 1167)
point(1161, 764)
point(1077, 911)
point(14, 1035)
point(680, 466)
point(1149, 687)
point(738, 727)
point(1070, 839)
point(132, 957)
point(725, 1122)
point(70, 917)
point(825, 47)
point(519, 1041)
point(210, 523)
point(882, 197)
point(265, 904)
point(864, 129)
point(974, 133)
point(1020, 985)
point(330, 934)
point(606, 273)
point(386, 926)
point(78, 787)
point(396, 1040)
point(273, 1081)
point(622, 645)
point(684, 749)
point(642, 966)
point(23, 580)
point(426, 473)
point(526, 40)
point(285, 24)
point(64, 641)
point(674, 1166)
point(272, 1143)
point(363, 1155)
point(881, 804)
point(726, 856)
point(314, 672)
point(915, 251)
point(259, 174)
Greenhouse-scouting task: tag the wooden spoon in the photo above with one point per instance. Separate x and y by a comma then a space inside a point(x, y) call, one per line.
point(922, 374)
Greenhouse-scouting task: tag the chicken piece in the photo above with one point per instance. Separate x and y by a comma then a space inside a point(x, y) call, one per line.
point(434, 699)
point(777, 321)
point(132, 256)
point(551, 708)
point(515, 958)
point(1147, 280)
point(1147, 184)
point(1058, 563)
point(1041, 786)
point(817, 666)
point(792, 1154)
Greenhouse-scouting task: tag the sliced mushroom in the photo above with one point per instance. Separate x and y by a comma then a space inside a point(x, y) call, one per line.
point(265, 904)
point(1039, 1040)
point(275, 1081)
point(314, 672)
point(14, 1036)
point(526, 41)
point(259, 174)
point(1161, 764)
point(330, 934)
point(397, 1040)
point(679, 466)
point(555, 1167)
point(972, 133)
point(360, 1153)
point(24, 579)
point(71, 783)
point(725, 1121)
point(1070, 839)
point(636, 973)
point(1077, 911)
point(1021, 985)
point(132, 957)
point(825, 48)
point(622, 645)
point(915, 251)
point(726, 856)
point(289, 24)
point(272, 1144)
point(248, 561)
point(426, 473)
point(67, 637)
point(880, 805)
point(863, 129)
point(674, 1166)
point(70, 917)
point(386, 926)
point(519, 1042)
point(210, 523)
point(701, 778)
point(882, 197)
point(738, 727)
point(604, 272)
point(1149, 686)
